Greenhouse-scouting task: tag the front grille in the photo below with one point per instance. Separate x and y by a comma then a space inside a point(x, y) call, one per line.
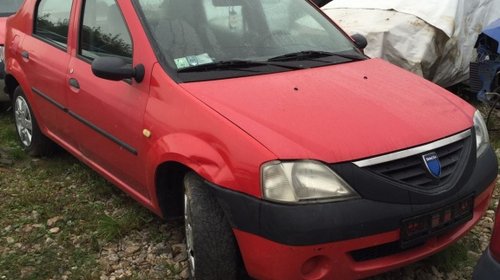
point(413, 172)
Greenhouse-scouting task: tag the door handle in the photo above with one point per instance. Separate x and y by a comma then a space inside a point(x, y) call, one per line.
point(25, 54)
point(74, 83)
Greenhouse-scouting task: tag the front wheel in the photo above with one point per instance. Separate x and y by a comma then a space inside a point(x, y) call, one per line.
point(211, 247)
point(31, 138)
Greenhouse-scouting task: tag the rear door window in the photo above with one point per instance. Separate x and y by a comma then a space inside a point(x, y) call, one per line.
point(52, 21)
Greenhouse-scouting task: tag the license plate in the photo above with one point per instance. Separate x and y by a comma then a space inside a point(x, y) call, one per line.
point(418, 229)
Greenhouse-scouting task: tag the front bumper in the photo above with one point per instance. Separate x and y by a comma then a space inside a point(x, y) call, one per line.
point(342, 240)
point(268, 260)
point(487, 268)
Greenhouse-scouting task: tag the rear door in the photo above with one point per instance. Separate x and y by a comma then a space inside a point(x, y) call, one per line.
point(107, 115)
point(45, 58)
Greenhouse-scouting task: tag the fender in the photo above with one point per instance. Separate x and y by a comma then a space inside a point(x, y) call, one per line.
point(194, 153)
point(186, 131)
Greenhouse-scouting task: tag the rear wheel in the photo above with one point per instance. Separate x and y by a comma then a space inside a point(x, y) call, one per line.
point(31, 138)
point(211, 246)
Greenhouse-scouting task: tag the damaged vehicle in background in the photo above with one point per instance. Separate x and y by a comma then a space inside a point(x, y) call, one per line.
point(289, 153)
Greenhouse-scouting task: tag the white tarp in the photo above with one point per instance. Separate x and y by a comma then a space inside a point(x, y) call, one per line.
point(433, 38)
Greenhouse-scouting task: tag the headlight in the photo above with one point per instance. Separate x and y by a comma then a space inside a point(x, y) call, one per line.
point(303, 181)
point(482, 138)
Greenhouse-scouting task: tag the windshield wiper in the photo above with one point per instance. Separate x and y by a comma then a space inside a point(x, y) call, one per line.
point(239, 65)
point(311, 55)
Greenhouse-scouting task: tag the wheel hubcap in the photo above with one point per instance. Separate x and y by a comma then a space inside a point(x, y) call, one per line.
point(24, 122)
point(189, 235)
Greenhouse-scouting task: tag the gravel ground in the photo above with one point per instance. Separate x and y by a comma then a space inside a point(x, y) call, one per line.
point(154, 260)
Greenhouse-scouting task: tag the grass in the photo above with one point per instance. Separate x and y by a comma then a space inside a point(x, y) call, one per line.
point(113, 228)
point(453, 256)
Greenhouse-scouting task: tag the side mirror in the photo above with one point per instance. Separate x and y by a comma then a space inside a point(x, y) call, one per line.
point(360, 41)
point(116, 69)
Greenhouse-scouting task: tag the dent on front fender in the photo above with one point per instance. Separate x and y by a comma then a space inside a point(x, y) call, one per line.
point(187, 131)
point(232, 164)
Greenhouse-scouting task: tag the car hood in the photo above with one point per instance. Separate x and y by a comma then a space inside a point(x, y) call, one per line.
point(3, 21)
point(337, 113)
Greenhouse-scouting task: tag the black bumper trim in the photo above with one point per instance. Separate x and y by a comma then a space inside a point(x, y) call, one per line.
point(318, 223)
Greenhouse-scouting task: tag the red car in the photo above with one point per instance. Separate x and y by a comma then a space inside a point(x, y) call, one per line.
point(7, 8)
point(290, 154)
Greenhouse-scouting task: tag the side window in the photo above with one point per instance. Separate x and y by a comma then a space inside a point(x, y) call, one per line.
point(103, 31)
point(52, 21)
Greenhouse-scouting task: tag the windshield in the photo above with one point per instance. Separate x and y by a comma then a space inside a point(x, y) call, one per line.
point(217, 33)
point(9, 7)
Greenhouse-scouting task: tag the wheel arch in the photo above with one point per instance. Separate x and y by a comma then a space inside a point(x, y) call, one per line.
point(169, 187)
point(15, 77)
point(11, 84)
point(172, 157)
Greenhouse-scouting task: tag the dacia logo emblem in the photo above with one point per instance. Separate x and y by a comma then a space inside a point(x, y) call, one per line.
point(433, 164)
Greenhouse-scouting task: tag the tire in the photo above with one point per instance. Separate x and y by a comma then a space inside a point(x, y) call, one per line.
point(211, 247)
point(33, 142)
